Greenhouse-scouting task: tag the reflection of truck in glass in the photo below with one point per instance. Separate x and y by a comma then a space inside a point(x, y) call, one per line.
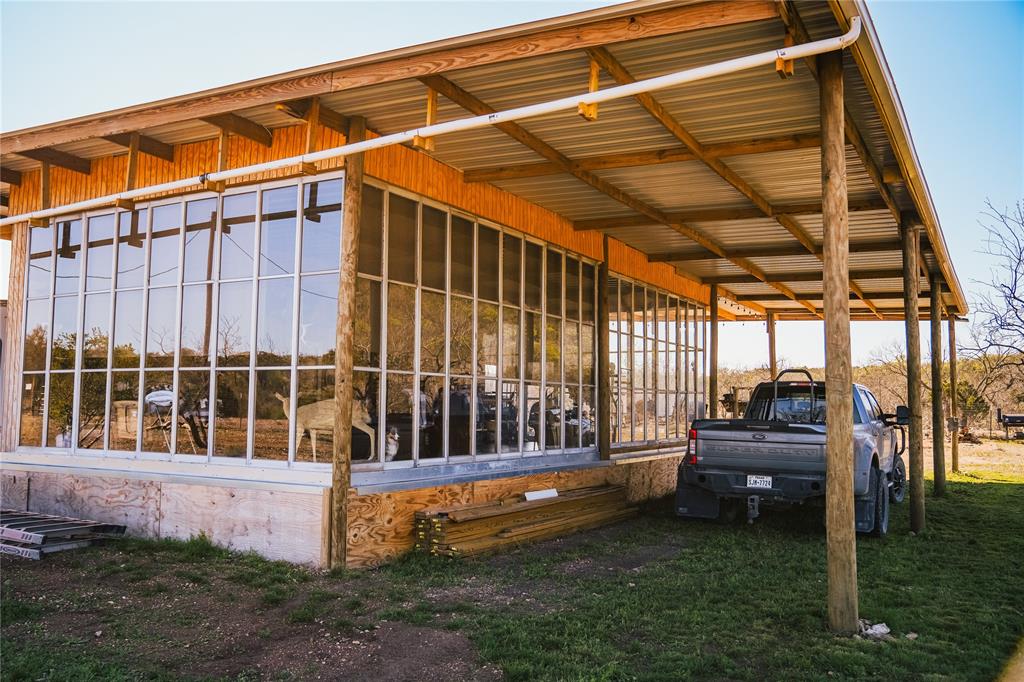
point(775, 455)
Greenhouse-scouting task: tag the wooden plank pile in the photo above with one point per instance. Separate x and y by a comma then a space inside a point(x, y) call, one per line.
point(30, 535)
point(469, 530)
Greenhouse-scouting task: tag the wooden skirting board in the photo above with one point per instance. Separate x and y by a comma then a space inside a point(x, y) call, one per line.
point(289, 525)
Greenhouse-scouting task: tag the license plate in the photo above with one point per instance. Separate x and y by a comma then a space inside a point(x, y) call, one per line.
point(759, 481)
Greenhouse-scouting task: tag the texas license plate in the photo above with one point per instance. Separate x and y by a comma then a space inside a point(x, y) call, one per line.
point(759, 481)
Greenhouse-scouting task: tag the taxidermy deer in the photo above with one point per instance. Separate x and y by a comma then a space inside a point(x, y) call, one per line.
point(319, 416)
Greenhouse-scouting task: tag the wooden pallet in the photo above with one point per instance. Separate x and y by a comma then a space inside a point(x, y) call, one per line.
point(31, 536)
point(471, 530)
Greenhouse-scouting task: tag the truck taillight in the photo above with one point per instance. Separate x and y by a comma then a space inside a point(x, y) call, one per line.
point(691, 447)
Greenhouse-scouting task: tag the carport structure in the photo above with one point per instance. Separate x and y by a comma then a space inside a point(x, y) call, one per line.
point(785, 192)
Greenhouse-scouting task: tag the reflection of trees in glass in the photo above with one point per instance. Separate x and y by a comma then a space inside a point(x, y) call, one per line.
point(92, 405)
point(63, 353)
point(35, 348)
point(60, 410)
point(232, 340)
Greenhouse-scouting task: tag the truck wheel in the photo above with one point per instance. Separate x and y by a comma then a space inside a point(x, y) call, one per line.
point(881, 528)
point(898, 491)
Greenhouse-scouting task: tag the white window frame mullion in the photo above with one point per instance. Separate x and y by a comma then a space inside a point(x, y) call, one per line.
point(253, 326)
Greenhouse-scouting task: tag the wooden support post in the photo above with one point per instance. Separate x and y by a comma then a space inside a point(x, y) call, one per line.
point(840, 525)
point(342, 452)
point(954, 396)
point(773, 367)
point(589, 111)
point(713, 356)
point(312, 135)
point(938, 432)
point(910, 233)
point(44, 195)
point(735, 402)
point(604, 402)
point(427, 143)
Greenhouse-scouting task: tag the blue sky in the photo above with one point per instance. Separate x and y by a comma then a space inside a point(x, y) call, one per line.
point(958, 67)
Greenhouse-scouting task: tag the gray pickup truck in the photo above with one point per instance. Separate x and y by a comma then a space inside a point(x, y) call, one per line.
point(775, 455)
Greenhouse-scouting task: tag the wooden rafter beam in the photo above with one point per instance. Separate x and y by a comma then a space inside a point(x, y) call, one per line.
point(476, 106)
point(768, 251)
point(644, 158)
point(811, 276)
point(329, 118)
point(56, 157)
point(237, 125)
point(147, 145)
point(10, 176)
point(653, 107)
point(714, 215)
point(816, 296)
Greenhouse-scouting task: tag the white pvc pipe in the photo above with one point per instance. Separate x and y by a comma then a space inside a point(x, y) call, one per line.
point(463, 124)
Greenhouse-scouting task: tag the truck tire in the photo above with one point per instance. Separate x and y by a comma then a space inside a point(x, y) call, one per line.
point(881, 528)
point(898, 491)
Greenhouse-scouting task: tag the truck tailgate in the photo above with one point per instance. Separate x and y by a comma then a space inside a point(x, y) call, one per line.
point(752, 447)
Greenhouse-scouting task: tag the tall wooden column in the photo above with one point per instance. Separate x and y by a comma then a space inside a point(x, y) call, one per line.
point(713, 357)
point(910, 234)
point(954, 396)
point(840, 526)
point(773, 367)
point(342, 454)
point(604, 403)
point(938, 433)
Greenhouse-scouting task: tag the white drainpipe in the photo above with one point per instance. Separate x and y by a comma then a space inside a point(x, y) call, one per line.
point(460, 125)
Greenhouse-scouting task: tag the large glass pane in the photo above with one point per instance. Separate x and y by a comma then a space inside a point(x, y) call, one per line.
point(571, 351)
point(234, 323)
point(533, 275)
point(69, 256)
point(277, 231)
point(365, 392)
point(571, 406)
point(487, 340)
point(95, 331)
point(40, 262)
point(193, 412)
point(587, 279)
point(65, 332)
point(488, 272)
point(274, 322)
point(131, 247)
point(511, 268)
point(196, 325)
point(431, 419)
point(587, 353)
point(366, 326)
point(462, 255)
point(318, 305)
point(402, 242)
point(160, 336)
point(461, 336)
point(314, 426)
point(486, 416)
point(37, 325)
point(200, 222)
point(127, 328)
point(460, 402)
point(232, 421)
point(554, 282)
point(398, 419)
point(98, 264)
point(572, 288)
point(432, 335)
point(510, 342)
point(273, 415)
point(32, 395)
point(534, 418)
point(553, 350)
point(401, 327)
point(587, 417)
point(321, 225)
point(553, 416)
point(435, 247)
point(163, 255)
point(510, 407)
point(124, 411)
point(157, 411)
point(371, 222)
point(531, 346)
point(238, 236)
point(60, 410)
point(625, 306)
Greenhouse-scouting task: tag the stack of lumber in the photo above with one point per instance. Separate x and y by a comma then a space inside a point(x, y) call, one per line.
point(469, 530)
point(31, 536)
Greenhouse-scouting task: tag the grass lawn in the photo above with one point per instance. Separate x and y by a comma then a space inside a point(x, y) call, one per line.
point(655, 598)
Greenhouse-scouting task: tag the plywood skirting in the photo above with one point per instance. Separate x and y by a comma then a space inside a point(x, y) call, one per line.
point(14, 491)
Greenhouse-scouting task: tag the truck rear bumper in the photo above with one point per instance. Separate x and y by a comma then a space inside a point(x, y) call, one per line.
point(697, 485)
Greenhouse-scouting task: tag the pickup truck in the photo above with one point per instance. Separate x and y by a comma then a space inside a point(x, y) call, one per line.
point(775, 455)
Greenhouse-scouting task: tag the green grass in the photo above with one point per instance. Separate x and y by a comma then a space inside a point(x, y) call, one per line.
point(655, 599)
